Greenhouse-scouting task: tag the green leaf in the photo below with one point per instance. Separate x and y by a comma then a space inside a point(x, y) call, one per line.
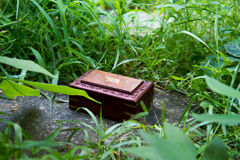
point(178, 78)
point(205, 104)
point(5, 113)
point(148, 152)
point(225, 119)
point(176, 145)
point(38, 57)
point(12, 89)
point(221, 88)
point(25, 65)
point(6, 121)
point(216, 150)
point(233, 48)
point(57, 89)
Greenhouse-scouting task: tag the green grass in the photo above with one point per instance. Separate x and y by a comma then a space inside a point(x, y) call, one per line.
point(192, 39)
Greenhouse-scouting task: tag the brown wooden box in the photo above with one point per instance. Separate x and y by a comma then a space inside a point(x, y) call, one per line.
point(120, 95)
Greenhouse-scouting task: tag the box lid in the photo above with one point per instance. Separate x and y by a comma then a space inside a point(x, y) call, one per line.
point(89, 84)
point(112, 81)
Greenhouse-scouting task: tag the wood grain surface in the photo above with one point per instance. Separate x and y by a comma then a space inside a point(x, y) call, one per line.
point(112, 81)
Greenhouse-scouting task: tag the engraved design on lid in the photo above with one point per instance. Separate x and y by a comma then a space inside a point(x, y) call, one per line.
point(112, 80)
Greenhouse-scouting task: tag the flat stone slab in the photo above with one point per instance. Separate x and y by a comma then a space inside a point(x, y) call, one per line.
point(33, 115)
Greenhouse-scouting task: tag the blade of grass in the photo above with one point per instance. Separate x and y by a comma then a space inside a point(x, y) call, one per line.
point(93, 118)
point(38, 57)
point(54, 82)
point(197, 38)
point(17, 9)
point(116, 58)
point(63, 21)
point(163, 113)
point(92, 13)
point(124, 61)
point(187, 109)
point(86, 59)
point(50, 21)
point(209, 126)
point(216, 30)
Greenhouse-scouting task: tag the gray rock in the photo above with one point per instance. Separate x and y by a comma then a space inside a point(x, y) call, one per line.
point(33, 115)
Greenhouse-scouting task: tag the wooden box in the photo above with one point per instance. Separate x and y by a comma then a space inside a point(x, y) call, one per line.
point(120, 95)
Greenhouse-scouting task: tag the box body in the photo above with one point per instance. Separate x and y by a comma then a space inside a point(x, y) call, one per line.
point(120, 96)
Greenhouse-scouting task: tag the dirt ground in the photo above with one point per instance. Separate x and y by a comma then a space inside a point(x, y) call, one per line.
point(32, 114)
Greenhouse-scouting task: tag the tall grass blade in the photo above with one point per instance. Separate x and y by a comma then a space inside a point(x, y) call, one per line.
point(9, 23)
point(81, 123)
point(62, 11)
point(116, 58)
point(163, 113)
point(86, 59)
point(216, 30)
point(50, 21)
point(17, 9)
point(23, 74)
point(93, 118)
point(124, 61)
point(197, 38)
point(113, 128)
point(92, 13)
point(187, 109)
point(18, 133)
point(115, 24)
point(53, 135)
point(38, 57)
point(209, 126)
